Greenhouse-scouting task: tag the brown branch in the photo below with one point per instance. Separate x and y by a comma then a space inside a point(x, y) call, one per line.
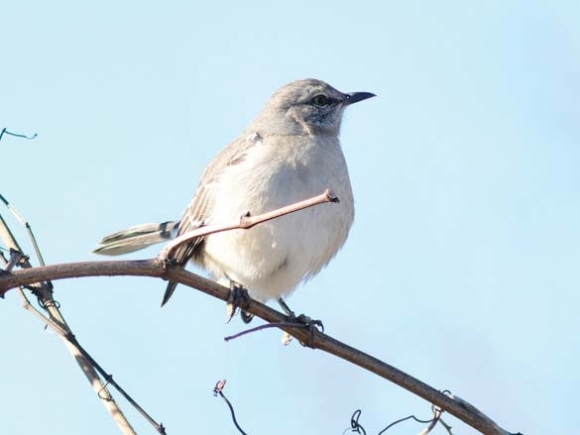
point(246, 222)
point(43, 290)
point(70, 338)
point(317, 340)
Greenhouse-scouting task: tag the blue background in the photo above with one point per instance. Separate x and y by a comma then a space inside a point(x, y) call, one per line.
point(462, 267)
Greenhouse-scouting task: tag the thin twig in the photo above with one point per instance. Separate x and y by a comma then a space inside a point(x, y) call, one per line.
point(26, 225)
point(15, 258)
point(218, 390)
point(67, 335)
point(4, 131)
point(246, 222)
point(436, 416)
point(266, 326)
point(355, 426)
point(448, 427)
point(43, 291)
point(318, 340)
point(409, 417)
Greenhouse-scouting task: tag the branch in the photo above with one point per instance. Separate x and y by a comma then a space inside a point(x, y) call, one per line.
point(4, 131)
point(43, 290)
point(315, 339)
point(246, 222)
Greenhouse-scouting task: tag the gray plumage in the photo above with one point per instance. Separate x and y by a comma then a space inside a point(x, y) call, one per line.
point(136, 238)
point(290, 152)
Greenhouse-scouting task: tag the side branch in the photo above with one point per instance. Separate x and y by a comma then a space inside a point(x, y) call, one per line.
point(317, 340)
point(246, 222)
point(43, 290)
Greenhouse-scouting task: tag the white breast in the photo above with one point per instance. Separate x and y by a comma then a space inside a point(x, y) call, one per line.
point(271, 259)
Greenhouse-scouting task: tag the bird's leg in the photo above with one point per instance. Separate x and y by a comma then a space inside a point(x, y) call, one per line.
point(302, 318)
point(238, 296)
point(286, 308)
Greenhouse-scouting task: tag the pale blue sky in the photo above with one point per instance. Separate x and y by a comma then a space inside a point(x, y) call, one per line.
point(462, 267)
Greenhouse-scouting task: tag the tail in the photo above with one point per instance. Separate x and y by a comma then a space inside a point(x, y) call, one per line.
point(168, 292)
point(136, 238)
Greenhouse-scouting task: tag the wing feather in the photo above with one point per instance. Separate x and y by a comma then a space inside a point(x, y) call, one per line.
point(199, 212)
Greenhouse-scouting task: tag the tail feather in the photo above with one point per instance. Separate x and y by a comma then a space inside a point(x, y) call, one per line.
point(168, 292)
point(136, 238)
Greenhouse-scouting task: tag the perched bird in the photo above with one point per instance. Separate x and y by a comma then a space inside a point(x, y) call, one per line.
point(289, 153)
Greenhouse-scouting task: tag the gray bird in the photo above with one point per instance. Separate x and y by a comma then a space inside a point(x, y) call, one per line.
point(289, 153)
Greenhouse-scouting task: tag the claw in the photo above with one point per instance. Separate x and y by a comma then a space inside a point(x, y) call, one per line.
point(238, 297)
point(311, 323)
point(303, 320)
point(246, 317)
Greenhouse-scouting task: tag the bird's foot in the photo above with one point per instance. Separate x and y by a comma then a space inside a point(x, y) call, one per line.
point(239, 297)
point(313, 326)
point(302, 320)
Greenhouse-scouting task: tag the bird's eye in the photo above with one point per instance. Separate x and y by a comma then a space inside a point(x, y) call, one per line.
point(320, 100)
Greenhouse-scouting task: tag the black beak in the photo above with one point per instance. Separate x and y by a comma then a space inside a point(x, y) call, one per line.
point(355, 97)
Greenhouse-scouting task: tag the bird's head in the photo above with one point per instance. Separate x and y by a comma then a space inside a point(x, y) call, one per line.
point(307, 106)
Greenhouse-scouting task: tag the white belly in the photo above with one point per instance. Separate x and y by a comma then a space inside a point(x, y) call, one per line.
point(271, 259)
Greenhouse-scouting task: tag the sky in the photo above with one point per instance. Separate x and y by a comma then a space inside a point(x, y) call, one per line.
point(462, 267)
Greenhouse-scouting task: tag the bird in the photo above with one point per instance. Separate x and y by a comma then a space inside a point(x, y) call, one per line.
point(290, 152)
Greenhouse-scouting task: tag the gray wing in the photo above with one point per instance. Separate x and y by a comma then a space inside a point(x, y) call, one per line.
point(199, 211)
